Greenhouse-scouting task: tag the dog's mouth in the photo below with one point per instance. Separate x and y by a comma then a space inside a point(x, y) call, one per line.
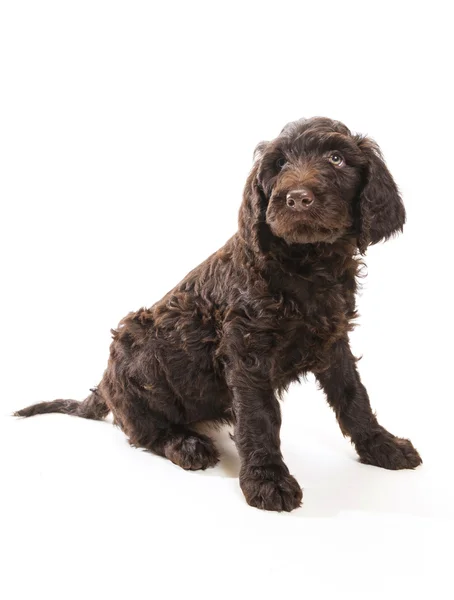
point(308, 222)
point(304, 233)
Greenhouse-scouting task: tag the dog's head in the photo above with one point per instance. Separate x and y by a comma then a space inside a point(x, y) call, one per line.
point(316, 182)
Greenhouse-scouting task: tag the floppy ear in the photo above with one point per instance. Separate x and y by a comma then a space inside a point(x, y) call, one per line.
point(253, 228)
point(381, 212)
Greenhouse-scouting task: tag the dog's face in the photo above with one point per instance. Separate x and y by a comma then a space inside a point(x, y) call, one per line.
point(311, 174)
point(316, 182)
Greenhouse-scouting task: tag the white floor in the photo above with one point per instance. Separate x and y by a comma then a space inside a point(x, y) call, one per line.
point(90, 517)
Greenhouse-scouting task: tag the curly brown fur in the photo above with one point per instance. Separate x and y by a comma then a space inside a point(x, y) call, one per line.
point(276, 302)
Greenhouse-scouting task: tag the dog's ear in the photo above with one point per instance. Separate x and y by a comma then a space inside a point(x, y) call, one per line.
point(381, 212)
point(259, 150)
point(253, 228)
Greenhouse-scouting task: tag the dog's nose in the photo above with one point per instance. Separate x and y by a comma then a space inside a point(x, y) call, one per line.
point(300, 199)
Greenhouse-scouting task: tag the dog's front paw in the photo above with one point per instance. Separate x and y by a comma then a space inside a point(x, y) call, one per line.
point(390, 452)
point(271, 488)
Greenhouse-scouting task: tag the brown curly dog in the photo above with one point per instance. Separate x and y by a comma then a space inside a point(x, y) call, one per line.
point(275, 302)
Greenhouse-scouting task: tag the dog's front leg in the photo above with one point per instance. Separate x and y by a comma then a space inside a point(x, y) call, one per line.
point(264, 478)
point(349, 400)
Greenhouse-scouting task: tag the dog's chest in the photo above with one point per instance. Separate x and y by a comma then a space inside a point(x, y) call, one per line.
point(315, 314)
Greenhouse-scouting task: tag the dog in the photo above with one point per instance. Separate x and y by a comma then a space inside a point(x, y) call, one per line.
point(275, 302)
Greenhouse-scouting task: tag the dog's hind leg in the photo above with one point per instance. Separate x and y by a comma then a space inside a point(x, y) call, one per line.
point(186, 448)
point(154, 420)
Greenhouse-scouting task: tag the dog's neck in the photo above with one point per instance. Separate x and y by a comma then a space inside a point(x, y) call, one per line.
point(306, 259)
point(280, 250)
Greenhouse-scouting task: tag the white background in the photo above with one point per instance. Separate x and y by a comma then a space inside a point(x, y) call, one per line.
point(126, 135)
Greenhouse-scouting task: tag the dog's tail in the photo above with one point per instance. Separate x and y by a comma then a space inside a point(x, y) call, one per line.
point(93, 407)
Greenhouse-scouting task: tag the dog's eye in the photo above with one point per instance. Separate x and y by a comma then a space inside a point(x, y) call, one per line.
point(280, 163)
point(336, 159)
